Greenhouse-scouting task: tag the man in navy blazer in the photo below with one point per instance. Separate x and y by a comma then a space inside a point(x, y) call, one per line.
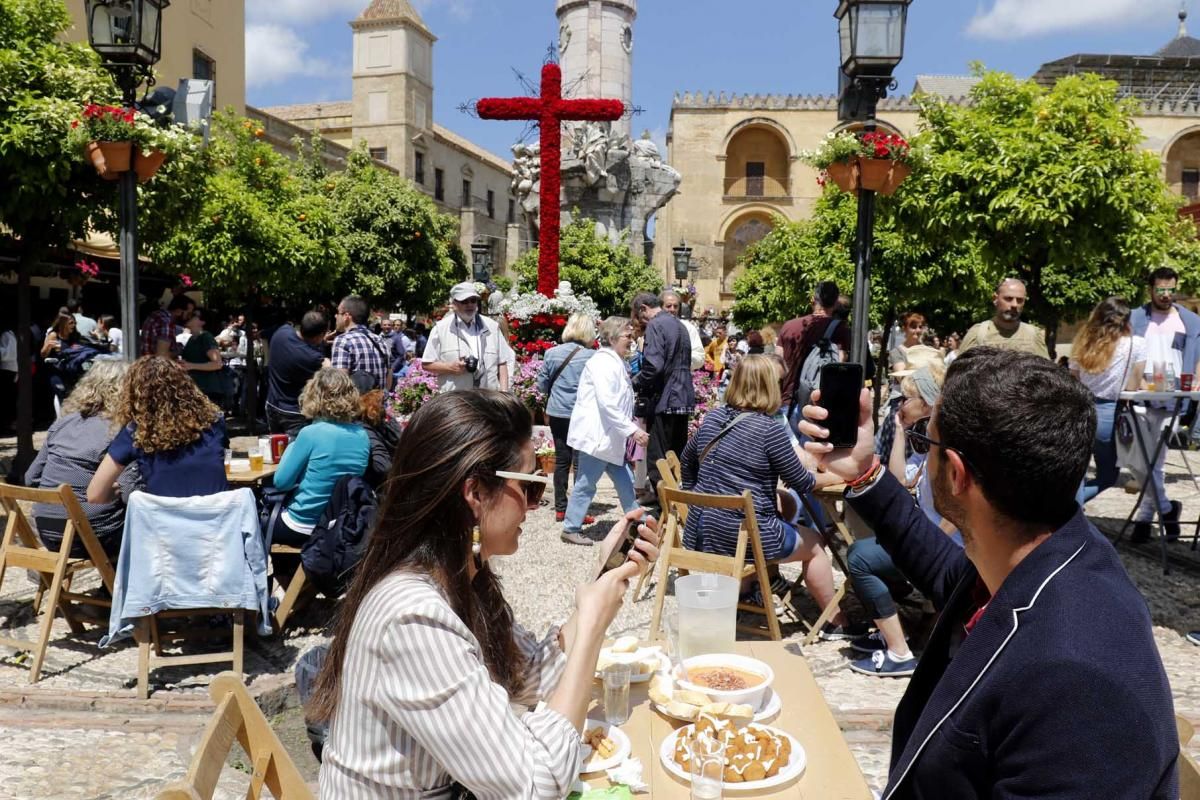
point(1041, 678)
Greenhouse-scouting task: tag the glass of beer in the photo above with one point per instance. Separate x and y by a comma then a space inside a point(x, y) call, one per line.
point(256, 459)
point(228, 462)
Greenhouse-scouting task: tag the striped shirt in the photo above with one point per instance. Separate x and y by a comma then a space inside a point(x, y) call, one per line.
point(419, 710)
point(754, 455)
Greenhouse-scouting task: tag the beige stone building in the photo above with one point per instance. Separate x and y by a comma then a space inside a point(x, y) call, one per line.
point(739, 154)
point(200, 39)
point(391, 109)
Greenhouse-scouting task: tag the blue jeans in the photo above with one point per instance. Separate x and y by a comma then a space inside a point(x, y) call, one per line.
point(877, 580)
point(1104, 450)
point(587, 474)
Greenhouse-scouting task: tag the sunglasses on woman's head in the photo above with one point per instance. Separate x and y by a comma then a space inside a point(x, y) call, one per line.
point(534, 484)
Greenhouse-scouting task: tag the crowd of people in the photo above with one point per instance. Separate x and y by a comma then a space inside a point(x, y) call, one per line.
point(972, 479)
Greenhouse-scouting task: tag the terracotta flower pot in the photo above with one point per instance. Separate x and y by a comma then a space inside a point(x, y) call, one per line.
point(844, 174)
point(882, 175)
point(547, 464)
point(110, 158)
point(146, 164)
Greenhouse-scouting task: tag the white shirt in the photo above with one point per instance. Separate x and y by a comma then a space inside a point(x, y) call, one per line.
point(116, 338)
point(602, 419)
point(697, 344)
point(8, 351)
point(418, 705)
point(452, 339)
point(1111, 381)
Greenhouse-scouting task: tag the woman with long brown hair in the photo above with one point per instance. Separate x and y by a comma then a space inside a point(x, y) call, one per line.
point(174, 433)
point(426, 661)
point(1108, 359)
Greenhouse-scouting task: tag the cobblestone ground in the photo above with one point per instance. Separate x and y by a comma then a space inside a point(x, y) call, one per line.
point(84, 707)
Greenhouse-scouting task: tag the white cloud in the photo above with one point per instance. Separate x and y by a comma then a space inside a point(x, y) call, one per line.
point(275, 54)
point(1016, 19)
point(303, 11)
point(462, 9)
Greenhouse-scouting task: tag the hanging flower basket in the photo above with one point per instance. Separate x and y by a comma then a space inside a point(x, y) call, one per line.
point(882, 175)
point(844, 174)
point(147, 162)
point(110, 158)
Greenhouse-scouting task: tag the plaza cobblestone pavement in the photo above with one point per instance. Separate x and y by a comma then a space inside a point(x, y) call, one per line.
point(81, 732)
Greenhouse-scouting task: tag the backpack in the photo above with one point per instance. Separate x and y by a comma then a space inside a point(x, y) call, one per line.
point(809, 378)
point(340, 538)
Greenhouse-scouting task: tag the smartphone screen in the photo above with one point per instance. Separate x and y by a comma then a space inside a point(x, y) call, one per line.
point(617, 557)
point(841, 385)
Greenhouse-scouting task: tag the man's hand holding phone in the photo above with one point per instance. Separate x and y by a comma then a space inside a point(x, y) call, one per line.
point(846, 463)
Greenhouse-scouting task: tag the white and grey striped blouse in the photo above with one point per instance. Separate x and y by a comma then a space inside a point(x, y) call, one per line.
point(419, 710)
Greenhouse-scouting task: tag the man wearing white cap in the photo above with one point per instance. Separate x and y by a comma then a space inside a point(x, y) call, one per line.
point(466, 349)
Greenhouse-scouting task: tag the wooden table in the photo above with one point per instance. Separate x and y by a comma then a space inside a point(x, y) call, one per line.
point(251, 477)
point(832, 772)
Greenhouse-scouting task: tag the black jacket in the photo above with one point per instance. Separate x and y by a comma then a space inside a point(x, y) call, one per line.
point(665, 379)
point(1058, 692)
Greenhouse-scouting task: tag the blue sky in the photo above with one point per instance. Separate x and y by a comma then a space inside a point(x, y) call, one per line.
point(299, 50)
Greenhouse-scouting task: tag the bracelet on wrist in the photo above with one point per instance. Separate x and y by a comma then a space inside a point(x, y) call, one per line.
point(867, 477)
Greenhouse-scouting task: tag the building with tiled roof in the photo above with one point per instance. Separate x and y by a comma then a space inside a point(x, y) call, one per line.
point(392, 111)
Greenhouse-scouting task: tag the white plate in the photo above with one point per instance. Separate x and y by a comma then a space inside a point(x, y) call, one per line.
point(793, 769)
point(664, 663)
point(770, 709)
point(591, 761)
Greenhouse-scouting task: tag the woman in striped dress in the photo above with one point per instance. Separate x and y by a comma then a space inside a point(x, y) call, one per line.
point(742, 446)
point(427, 667)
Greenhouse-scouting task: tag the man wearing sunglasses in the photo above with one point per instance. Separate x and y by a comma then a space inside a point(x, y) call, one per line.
point(1172, 335)
point(1041, 677)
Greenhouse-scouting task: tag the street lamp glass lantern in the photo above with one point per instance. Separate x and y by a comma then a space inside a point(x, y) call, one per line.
point(481, 260)
point(871, 35)
point(683, 260)
point(126, 32)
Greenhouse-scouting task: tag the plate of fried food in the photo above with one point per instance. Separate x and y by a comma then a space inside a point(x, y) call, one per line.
point(644, 661)
point(604, 746)
point(672, 700)
point(756, 757)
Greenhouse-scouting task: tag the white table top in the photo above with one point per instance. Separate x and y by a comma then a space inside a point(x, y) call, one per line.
point(1146, 397)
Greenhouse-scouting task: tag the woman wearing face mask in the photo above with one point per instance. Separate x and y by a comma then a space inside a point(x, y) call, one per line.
point(601, 425)
point(427, 662)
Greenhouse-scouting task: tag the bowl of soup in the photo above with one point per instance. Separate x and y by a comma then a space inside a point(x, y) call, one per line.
point(728, 678)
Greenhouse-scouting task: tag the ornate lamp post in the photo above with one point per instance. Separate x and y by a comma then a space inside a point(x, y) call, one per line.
point(128, 36)
point(871, 33)
point(481, 260)
point(683, 260)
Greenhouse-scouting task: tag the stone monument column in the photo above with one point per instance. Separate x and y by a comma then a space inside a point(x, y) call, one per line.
point(595, 50)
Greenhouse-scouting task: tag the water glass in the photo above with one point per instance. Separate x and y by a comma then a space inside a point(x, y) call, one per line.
point(708, 768)
point(616, 693)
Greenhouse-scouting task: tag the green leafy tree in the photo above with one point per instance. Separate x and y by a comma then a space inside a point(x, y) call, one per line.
point(402, 250)
point(608, 273)
point(1052, 186)
point(46, 191)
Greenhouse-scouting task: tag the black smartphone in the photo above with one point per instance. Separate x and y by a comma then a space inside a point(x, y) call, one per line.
point(621, 552)
point(841, 385)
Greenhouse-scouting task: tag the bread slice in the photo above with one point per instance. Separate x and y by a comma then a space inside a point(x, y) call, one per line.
point(691, 697)
point(661, 690)
point(737, 714)
point(625, 644)
point(682, 710)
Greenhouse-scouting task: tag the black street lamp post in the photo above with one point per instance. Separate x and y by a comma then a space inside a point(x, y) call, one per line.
point(128, 36)
point(683, 260)
point(871, 33)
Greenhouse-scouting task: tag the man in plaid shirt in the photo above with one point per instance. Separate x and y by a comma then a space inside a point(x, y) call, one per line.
point(356, 349)
point(158, 331)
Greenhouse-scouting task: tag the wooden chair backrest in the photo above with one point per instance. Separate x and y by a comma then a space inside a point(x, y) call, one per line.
point(239, 717)
point(734, 565)
point(1189, 771)
point(671, 480)
point(676, 467)
point(77, 525)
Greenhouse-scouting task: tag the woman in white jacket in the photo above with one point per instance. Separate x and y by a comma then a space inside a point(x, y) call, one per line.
point(601, 424)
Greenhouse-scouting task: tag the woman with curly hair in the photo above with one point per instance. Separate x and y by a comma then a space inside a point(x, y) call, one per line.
point(74, 448)
point(383, 433)
point(333, 446)
point(173, 432)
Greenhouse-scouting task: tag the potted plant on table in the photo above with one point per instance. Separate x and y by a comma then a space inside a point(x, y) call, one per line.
point(875, 160)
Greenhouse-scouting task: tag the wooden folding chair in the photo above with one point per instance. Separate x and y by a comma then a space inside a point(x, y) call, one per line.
point(1189, 771)
point(298, 592)
point(674, 554)
point(22, 548)
point(672, 477)
point(239, 717)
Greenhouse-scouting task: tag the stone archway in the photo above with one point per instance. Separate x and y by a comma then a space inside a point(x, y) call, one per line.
point(740, 234)
point(1181, 164)
point(757, 162)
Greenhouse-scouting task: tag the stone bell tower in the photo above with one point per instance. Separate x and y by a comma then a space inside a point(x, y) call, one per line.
point(595, 50)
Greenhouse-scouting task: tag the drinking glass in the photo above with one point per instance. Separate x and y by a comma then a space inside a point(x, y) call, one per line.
point(616, 693)
point(256, 459)
point(228, 462)
point(708, 768)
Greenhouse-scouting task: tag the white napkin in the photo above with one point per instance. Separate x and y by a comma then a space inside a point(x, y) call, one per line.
point(629, 773)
